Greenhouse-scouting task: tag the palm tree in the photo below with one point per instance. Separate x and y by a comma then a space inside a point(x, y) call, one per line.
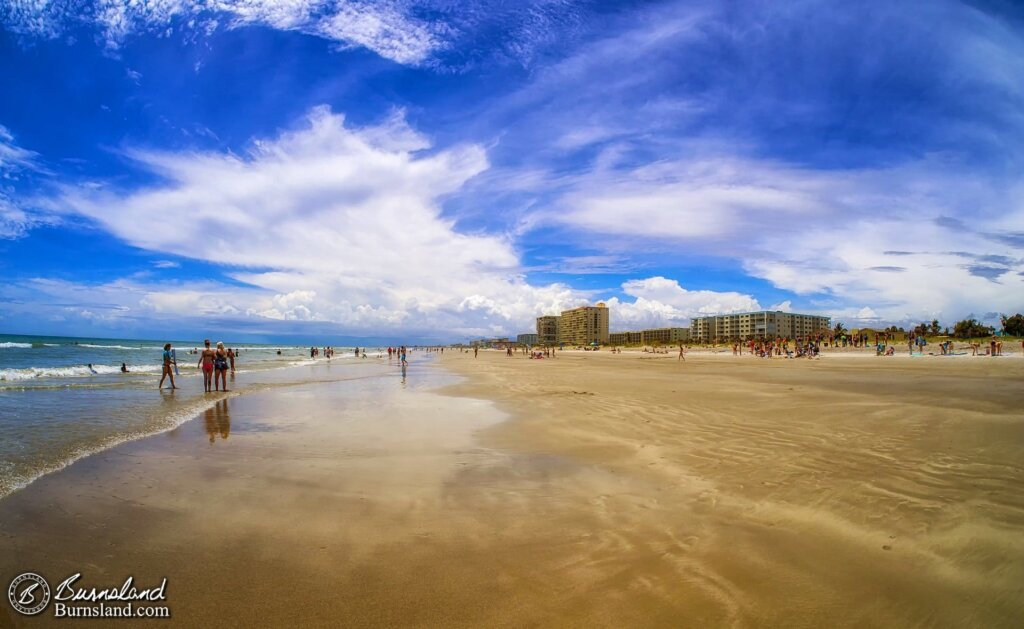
point(839, 330)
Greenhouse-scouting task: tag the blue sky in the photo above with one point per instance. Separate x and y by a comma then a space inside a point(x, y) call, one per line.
point(435, 170)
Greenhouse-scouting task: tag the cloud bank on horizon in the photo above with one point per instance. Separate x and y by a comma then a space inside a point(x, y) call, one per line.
point(379, 168)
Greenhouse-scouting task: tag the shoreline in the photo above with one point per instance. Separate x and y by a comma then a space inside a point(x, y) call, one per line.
point(189, 409)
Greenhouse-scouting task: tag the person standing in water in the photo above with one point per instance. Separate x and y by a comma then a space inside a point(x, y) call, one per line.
point(220, 365)
point(205, 363)
point(168, 360)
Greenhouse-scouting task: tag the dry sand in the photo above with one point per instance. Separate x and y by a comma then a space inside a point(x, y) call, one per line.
point(622, 490)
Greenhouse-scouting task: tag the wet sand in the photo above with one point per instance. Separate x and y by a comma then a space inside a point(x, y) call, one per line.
point(599, 490)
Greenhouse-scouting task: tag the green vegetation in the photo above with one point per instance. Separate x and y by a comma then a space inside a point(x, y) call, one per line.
point(971, 329)
point(1013, 326)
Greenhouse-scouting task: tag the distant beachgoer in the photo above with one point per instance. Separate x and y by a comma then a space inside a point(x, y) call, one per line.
point(476, 350)
point(91, 369)
point(220, 364)
point(206, 364)
point(124, 368)
point(168, 361)
point(682, 353)
point(231, 359)
point(404, 363)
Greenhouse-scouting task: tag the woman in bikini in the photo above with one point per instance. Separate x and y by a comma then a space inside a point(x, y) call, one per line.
point(167, 367)
point(220, 364)
point(206, 364)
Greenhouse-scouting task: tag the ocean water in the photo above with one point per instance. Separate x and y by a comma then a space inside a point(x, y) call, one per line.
point(55, 409)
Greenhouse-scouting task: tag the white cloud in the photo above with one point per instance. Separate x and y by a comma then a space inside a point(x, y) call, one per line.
point(325, 223)
point(876, 236)
point(659, 301)
point(166, 264)
point(15, 160)
point(383, 27)
point(14, 222)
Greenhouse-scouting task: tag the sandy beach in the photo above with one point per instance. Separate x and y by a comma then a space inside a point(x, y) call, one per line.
point(589, 490)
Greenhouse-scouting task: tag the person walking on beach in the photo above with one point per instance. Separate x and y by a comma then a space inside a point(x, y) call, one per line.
point(682, 353)
point(220, 364)
point(231, 359)
point(168, 361)
point(205, 363)
point(476, 350)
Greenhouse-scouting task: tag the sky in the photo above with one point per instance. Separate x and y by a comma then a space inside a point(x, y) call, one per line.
point(434, 171)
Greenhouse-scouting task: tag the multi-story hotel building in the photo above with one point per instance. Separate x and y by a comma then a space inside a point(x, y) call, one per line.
point(526, 339)
point(762, 324)
point(547, 330)
point(654, 336)
point(664, 336)
point(624, 338)
point(583, 326)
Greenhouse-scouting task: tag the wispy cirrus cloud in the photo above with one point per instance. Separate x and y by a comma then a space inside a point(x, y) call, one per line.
point(409, 32)
point(386, 28)
point(764, 137)
point(14, 161)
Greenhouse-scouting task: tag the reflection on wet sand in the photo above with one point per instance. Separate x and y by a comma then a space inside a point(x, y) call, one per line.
point(217, 421)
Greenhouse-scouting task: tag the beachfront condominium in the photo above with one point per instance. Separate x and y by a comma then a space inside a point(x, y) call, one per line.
point(547, 330)
point(526, 339)
point(652, 336)
point(761, 324)
point(625, 338)
point(664, 336)
point(586, 325)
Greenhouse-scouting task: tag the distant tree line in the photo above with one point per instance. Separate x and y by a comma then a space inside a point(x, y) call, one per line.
point(965, 329)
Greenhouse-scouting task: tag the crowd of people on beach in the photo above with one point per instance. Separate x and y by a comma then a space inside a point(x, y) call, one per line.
point(780, 346)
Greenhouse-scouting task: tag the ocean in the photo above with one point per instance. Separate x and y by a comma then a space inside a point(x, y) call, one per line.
point(55, 408)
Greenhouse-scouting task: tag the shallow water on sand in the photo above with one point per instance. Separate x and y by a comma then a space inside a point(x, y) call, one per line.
point(54, 409)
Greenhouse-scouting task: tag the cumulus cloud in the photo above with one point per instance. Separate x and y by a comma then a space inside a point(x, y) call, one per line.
point(659, 301)
point(325, 223)
point(330, 224)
